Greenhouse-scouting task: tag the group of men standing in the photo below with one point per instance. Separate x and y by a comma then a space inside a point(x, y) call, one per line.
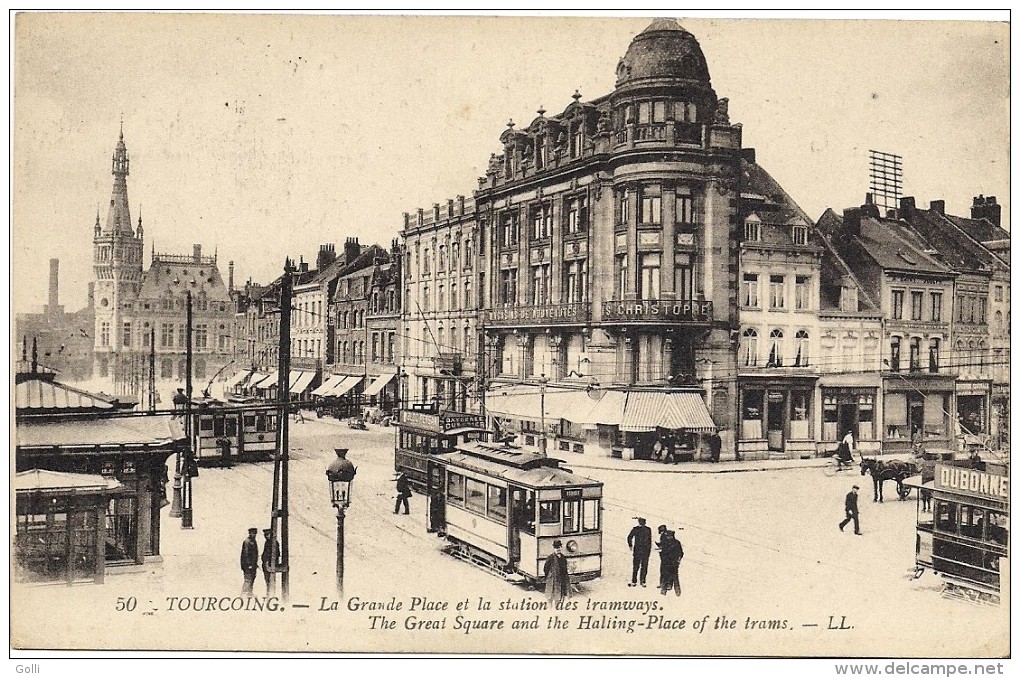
point(671, 552)
point(250, 560)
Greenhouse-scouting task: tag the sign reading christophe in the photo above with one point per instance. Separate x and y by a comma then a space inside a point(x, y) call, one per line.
point(657, 310)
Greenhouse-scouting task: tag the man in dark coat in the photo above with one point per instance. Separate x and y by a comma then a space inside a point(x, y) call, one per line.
point(714, 446)
point(270, 560)
point(850, 505)
point(249, 560)
point(670, 554)
point(640, 542)
point(557, 581)
point(403, 492)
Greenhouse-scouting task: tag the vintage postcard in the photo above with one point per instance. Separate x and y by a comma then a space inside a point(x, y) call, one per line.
point(586, 335)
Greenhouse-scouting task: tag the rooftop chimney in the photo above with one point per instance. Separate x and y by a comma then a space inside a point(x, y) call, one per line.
point(326, 256)
point(197, 256)
point(53, 306)
point(907, 207)
point(852, 220)
point(986, 208)
point(747, 154)
point(351, 250)
point(938, 206)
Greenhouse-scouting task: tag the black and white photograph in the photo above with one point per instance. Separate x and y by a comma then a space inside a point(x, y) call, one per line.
point(500, 334)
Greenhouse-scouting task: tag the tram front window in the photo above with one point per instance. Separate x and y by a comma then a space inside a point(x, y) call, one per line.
point(591, 515)
point(549, 512)
point(571, 516)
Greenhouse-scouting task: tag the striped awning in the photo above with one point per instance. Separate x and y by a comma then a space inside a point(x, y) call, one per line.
point(255, 378)
point(328, 385)
point(379, 384)
point(344, 386)
point(37, 394)
point(267, 383)
point(299, 381)
point(644, 411)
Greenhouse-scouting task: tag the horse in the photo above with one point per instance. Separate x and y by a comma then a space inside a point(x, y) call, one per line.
point(882, 471)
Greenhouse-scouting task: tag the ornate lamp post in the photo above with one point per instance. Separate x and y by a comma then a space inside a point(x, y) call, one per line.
point(340, 474)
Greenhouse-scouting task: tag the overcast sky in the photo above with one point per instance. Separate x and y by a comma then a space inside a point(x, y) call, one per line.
point(263, 136)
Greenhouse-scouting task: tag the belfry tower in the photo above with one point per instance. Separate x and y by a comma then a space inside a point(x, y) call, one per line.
point(117, 264)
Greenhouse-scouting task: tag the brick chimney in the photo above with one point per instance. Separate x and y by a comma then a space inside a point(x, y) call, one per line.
point(54, 304)
point(852, 221)
point(907, 207)
point(351, 250)
point(197, 253)
point(938, 206)
point(326, 256)
point(986, 208)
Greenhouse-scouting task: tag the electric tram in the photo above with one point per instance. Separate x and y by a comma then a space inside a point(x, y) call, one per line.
point(963, 527)
point(423, 431)
point(502, 508)
point(239, 430)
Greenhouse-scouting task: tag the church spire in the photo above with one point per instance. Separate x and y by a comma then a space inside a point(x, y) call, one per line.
point(118, 220)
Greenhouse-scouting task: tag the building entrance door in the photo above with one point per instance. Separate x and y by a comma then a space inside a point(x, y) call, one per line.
point(847, 419)
point(776, 419)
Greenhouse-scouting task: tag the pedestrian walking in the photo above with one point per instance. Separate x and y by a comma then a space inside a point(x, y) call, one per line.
point(557, 581)
point(670, 554)
point(270, 560)
point(249, 560)
point(403, 493)
point(850, 505)
point(714, 447)
point(640, 542)
point(661, 533)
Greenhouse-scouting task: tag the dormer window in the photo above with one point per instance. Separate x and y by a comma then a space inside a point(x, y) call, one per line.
point(800, 234)
point(752, 229)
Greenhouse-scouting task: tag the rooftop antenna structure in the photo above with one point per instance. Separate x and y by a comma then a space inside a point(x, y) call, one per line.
point(885, 171)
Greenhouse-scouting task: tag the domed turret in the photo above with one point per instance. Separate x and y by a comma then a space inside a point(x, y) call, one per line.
point(663, 53)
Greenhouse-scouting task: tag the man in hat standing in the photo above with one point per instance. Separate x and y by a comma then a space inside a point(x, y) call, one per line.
point(557, 581)
point(640, 542)
point(403, 492)
point(249, 561)
point(850, 505)
point(270, 560)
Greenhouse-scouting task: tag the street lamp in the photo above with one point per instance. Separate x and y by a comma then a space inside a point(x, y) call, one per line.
point(340, 474)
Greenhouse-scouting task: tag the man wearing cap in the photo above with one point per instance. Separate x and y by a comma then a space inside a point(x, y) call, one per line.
point(640, 542)
point(851, 510)
point(270, 560)
point(557, 581)
point(249, 560)
point(403, 492)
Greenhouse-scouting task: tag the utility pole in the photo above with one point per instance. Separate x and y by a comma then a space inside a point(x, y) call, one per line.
point(279, 518)
point(152, 368)
point(187, 516)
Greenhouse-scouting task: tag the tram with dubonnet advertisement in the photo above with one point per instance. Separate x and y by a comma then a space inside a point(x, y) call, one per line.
point(423, 430)
point(963, 527)
point(502, 508)
point(239, 430)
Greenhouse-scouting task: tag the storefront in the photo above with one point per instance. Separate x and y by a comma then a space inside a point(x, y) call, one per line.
point(776, 418)
point(849, 408)
point(918, 410)
point(972, 413)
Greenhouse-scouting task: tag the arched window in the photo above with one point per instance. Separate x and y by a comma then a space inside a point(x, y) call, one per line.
point(802, 348)
point(775, 348)
point(750, 343)
point(982, 348)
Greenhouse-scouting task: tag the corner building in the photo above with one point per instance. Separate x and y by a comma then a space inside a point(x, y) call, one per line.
point(607, 260)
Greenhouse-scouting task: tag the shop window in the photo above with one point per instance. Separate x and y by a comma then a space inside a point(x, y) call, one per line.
point(866, 417)
point(896, 416)
point(830, 419)
point(752, 404)
point(121, 529)
point(799, 422)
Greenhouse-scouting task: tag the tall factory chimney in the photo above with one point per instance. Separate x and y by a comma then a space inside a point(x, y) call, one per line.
point(53, 307)
point(230, 276)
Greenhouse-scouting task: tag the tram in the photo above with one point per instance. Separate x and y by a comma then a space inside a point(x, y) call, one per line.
point(963, 527)
point(239, 430)
point(502, 508)
point(423, 430)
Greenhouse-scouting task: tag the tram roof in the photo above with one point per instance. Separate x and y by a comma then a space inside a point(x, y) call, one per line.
point(532, 474)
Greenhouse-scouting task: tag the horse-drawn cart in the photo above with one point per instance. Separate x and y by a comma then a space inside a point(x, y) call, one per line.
point(882, 470)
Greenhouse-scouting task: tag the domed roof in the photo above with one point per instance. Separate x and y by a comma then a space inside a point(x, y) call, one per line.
point(663, 51)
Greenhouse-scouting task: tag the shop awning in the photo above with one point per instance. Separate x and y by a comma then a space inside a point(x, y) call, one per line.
point(379, 384)
point(267, 382)
point(136, 432)
point(328, 385)
point(256, 377)
point(688, 411)
point(607, 410)
point(236, 379)
point(344, 386)
point(51, 395)
point(515, 402)
point(299, 381)
point(644, 411)
point(38, 480)
point(647, 411)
